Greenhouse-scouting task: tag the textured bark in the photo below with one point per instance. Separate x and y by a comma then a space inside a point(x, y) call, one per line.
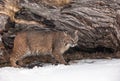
point(97, 21)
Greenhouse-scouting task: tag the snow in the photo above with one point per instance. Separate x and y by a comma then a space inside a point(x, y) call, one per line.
point(83, 70)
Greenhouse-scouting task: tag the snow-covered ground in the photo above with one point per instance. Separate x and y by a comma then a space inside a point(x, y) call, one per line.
point(84, 70)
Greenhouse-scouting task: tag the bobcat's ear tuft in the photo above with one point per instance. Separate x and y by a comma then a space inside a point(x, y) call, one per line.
point(76, 32)
point(76, 35)
point(65, 33)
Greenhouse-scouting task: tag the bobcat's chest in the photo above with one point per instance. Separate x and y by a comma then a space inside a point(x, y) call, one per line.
point(65, 48)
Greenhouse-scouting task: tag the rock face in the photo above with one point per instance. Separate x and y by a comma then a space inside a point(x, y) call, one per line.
point(98, 23)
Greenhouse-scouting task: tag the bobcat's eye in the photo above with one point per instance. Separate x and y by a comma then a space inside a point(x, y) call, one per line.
point(72, 41)
point(66, 44)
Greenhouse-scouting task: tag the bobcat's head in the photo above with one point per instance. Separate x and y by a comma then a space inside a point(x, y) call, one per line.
point(71, 40)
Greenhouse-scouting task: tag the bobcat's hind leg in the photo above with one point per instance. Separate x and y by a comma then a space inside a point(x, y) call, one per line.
point(13, 62)
point(20, 62)
point(16, 60)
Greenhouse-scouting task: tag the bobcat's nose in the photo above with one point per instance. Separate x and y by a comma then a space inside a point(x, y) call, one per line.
point(1, 56)
point(73, 45)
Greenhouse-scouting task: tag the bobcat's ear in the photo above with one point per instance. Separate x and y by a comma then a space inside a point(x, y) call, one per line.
point(76, 35)
point(76, 32)
point(65, 33)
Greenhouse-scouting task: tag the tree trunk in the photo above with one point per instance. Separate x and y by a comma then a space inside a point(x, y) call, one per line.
point(96, 20)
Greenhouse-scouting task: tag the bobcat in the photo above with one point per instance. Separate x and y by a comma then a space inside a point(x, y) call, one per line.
point(54, 43)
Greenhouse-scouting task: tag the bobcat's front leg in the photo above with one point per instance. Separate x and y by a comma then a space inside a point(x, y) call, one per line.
point(59, 57)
